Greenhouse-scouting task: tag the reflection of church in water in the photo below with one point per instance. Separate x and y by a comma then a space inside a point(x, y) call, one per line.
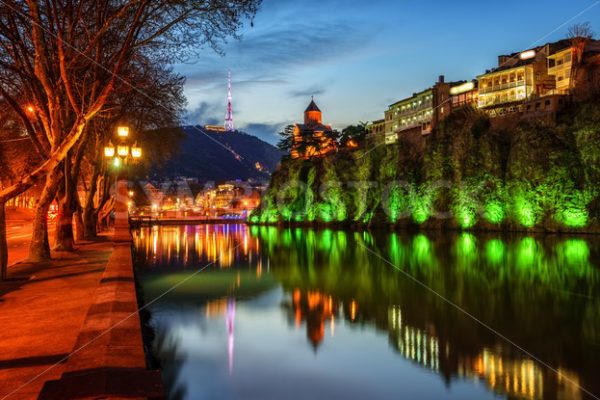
point(319, 311)
point(502, 371)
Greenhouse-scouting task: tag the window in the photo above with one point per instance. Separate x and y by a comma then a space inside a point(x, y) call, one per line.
point(568, 57)
point(551, 62)
point(560, 78)
point(547, 103)
point(559, 61)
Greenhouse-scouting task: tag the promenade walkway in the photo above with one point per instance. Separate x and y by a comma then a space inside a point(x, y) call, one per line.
point(41, 314)
point(70, 328)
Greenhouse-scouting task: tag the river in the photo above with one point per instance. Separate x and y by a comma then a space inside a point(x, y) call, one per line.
point(271, 313)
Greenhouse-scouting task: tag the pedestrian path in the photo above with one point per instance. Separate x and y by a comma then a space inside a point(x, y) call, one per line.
point(41, 314)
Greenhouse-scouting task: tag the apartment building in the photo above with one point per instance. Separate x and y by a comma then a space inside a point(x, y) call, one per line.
point(419, 112)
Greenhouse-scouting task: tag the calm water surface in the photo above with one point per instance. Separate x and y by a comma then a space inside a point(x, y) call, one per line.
point(268, 313)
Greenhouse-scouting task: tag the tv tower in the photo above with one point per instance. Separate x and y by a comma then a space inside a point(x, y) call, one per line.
point(229, 117)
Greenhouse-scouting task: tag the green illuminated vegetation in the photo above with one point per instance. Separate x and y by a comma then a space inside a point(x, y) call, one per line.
point(467, 174)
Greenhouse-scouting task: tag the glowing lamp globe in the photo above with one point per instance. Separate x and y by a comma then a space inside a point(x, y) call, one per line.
point(136, 152)
point(122, 151)
point(109, 151)
point(123, 131)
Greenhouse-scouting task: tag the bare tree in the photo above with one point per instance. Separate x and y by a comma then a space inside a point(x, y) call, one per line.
point(62, 60)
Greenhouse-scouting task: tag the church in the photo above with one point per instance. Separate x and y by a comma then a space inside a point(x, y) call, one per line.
point(313, 139)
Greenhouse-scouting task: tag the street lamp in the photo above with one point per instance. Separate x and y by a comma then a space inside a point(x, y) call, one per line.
point(122, 154)
point(109, 151)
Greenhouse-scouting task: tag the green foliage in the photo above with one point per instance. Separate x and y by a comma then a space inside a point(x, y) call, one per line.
point(525, 176)
point(286, 140)
point(526, 207)
point(355, 132)
point(334, 208)
point(465, 204)
point(421, 202)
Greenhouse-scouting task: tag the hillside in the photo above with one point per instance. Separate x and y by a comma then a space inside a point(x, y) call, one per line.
point(220, 156)
point(468, 174)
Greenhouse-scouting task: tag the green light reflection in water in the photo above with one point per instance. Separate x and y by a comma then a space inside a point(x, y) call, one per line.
point(495, 251)
point(512, 281)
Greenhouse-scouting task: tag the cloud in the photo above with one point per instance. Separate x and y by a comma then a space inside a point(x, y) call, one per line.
point(206, 114)
point(282, 41)
point(311, 91)
point(266, 132)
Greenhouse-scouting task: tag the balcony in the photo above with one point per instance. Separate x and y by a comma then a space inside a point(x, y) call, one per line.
point(504, 86)
point(411, 110)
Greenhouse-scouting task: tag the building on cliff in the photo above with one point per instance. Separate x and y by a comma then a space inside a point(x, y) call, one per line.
point(313, 138)
point(420, 112)
point(535, 83)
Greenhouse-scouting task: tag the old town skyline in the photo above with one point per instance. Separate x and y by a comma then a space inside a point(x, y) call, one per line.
point(360, 68)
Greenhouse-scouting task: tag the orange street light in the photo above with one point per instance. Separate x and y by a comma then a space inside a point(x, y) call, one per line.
point(109, 151)
point(122, 150)
point(136, 152)
point(123, 131)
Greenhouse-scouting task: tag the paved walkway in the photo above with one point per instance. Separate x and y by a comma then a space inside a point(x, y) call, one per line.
point(42, 314)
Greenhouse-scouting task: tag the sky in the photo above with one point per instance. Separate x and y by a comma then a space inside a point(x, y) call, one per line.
point(357, 57)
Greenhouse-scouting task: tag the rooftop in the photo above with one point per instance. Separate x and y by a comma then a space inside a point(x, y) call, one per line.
point(312, 107)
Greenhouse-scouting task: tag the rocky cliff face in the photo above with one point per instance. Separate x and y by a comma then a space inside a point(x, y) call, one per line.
point(468, 174)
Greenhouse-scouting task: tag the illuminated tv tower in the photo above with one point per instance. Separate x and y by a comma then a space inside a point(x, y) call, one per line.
point(229, 117)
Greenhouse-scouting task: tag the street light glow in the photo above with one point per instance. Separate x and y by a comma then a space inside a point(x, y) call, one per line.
point(136, 152)
point(123, 131)
point(122, 150)
point(109, 151)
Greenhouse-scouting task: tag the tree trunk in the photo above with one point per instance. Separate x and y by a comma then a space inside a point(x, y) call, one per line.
point(90, 215)
point(3, 243)
point(39, 248)
point(90, 221)
point(79, 227)
point(63, 237)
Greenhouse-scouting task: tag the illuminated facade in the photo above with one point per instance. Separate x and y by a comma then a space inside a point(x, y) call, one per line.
point(464, 95)
point(229, 197)
point(313, 138)
point(560, 66)
point(420, 113)
point(526, 75)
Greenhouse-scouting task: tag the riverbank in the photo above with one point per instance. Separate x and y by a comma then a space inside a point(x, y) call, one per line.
point(70, 327)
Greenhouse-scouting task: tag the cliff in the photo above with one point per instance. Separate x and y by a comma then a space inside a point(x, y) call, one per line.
point(468, 174)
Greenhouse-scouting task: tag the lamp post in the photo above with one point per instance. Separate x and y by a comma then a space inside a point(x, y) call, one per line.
point(120, 156)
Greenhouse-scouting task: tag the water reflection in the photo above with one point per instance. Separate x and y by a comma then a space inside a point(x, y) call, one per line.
point(543, 293)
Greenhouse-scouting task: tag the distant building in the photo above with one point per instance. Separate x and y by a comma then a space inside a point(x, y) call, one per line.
point(313, 138)
point(215, 129)
point(376, 131)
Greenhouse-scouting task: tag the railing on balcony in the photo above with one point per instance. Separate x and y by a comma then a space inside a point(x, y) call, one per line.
point(412, 110)
point(503, 86)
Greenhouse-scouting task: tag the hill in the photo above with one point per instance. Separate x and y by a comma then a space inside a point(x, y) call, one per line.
point(209, 155)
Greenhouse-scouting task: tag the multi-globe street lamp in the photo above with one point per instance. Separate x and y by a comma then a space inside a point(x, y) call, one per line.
point(122, 155)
